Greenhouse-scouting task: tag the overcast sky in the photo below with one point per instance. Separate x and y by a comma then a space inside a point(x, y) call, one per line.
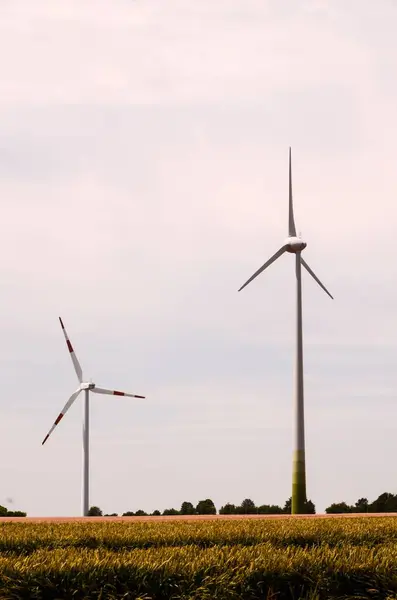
point(143, 179)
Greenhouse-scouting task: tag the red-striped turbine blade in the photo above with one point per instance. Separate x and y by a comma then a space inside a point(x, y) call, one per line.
point(98, 390)
point(62, 414)
point(76, 364)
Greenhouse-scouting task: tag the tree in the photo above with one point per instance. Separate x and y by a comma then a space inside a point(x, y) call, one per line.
point(206, 507)
point(156, 513)
point(309, 507)
point(384, 503)
point(111, 515)
point(129, 513)
point(248, 507)
point(187, 508)
point(140, 513)
point(271, 509)
point(361, 505)
point(170, 511)
point(338, 508)
point(228, 509)
point(95, 511)
point(15, 513)
point(4, 512)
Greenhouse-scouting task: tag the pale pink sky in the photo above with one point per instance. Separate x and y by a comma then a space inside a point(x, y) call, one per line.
point(143, 179)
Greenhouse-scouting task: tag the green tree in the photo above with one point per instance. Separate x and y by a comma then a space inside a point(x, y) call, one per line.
point(187, 508)
point(170, 511)
point(361, 506)
point(95, 511)
point(129, 513)
point(338, 508)
point(206, 507)
point(384, 503)
point(248, 507)
point(140, 513)
point(309, 507)
point(228, 509)
point(271, 509)
point(111, 515)
point(3, 511)
point(156, 513)
point(16, 513)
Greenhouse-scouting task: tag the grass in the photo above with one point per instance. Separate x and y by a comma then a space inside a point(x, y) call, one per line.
point(317, 559)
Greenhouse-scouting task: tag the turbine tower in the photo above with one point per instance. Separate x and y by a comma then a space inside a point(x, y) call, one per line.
point(87, 387)
point(295, 245)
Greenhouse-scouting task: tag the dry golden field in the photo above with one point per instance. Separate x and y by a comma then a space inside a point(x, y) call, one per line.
point(188, 518)
point(199, 558)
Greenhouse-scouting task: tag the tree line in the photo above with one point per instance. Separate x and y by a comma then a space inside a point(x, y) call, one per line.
point(4, 512)
point(386, 502)
point(207, 507)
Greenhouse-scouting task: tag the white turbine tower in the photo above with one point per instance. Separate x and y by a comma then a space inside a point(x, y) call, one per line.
point(87, 387)
point(295, 245)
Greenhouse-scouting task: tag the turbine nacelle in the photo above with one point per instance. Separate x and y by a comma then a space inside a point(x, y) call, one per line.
point(294, 244)
point(87, 386)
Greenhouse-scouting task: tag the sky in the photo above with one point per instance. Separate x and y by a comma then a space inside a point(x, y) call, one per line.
point(143, 179)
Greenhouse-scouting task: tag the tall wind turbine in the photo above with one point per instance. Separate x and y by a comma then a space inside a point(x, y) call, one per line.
point(87, 387)
point(295, 245)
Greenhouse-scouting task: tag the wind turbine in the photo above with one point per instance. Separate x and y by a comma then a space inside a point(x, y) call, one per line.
point(295, 245)
point(87, 387)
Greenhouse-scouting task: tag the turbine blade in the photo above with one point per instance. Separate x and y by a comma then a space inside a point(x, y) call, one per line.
point(62, 414)
point(263, 267)
point(99, 390)
point(73, 356)
point(308, 269)
point(291, 220)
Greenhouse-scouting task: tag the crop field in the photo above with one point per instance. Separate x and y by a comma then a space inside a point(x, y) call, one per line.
point(200, 559)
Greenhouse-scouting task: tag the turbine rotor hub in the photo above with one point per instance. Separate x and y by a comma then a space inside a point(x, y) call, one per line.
point(87, 385)
point(295, 244)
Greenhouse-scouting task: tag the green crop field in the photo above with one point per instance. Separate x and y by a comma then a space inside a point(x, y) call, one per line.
point(240, 559)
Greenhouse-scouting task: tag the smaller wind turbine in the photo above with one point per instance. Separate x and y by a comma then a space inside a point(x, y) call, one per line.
point(87, 387)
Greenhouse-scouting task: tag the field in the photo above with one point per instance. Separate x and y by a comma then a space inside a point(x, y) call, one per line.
point(237, 558)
